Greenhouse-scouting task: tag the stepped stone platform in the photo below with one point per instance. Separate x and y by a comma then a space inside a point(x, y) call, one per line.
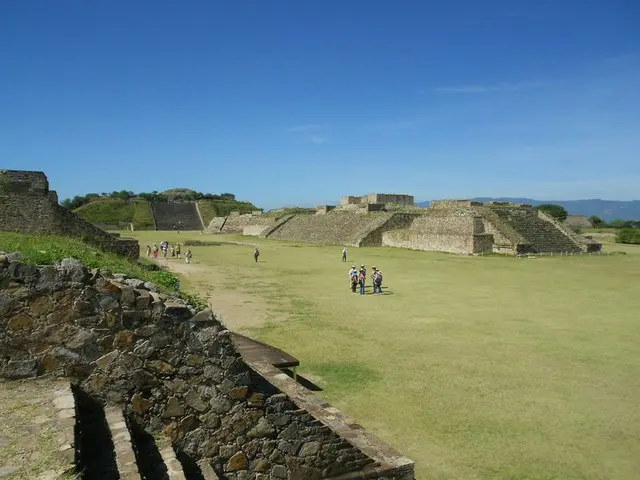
point(176, 215)
point(28, 206)
point(334, 227)
point(149, 374)
point(454, 226)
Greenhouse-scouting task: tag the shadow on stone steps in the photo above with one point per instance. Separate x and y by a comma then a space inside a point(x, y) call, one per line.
point(150, 463)
point(95, 455)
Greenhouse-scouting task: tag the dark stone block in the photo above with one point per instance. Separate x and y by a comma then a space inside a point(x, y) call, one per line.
point(15, 369)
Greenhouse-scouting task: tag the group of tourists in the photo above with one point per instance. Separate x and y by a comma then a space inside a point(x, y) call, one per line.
point(166, 249)
point(358, 278)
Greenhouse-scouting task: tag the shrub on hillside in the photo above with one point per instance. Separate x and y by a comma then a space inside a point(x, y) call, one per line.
point(628, 235)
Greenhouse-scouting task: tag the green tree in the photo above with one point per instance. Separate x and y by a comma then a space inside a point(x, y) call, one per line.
point(628, 235)
point(622, 224)
point(597, 222)
point(556, 211)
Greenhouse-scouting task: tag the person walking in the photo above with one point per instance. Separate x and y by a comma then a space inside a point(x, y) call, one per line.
point(256, 254)
point(188, 255)
point(344, 254)
point(148, 251)
point(178, 250)
point(155, 251)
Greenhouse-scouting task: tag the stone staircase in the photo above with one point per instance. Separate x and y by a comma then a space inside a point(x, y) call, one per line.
point(344, 228)
point(112, 446)
point(71, 435)
point(542, 236)
point(183, 216)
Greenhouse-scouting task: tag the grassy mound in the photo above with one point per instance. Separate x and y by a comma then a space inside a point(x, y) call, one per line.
point(107, 210)
point(112, 211)
point(222, 208)
point(49, 249)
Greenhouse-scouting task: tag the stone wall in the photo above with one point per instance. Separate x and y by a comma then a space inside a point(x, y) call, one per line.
point(177, 372)
point(216, 224)
point(385, 198)
point(461, 243)
point(351, 200)
point(254, 230)
point(236, 223)
point(380, 198)
point(452, 203)
point(26, 206)
point(451, 230)
point(372, 235)
point(324, 209)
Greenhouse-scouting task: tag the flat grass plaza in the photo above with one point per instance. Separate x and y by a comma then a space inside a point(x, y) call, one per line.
point(474, 366)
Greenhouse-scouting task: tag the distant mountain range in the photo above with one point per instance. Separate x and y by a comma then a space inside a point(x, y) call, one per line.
point(606, 209)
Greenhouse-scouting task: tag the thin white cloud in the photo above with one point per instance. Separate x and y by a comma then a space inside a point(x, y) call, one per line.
point(311, 127)
point(497, 87)
point(317, 139)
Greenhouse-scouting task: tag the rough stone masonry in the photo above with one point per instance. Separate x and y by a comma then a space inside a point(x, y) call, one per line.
point(174, 370)
point(27, 205)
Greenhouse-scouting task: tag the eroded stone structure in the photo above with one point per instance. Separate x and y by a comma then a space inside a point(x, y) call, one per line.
point(177, 373)
point(454, 226)
point(380, 200)
point(27, 205)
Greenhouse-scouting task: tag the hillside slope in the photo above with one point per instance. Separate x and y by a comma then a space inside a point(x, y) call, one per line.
point(114, 211)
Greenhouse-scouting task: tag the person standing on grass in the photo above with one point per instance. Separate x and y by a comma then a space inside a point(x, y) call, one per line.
point(178, 250)
point(148, 251)
point(373, 277)
point(352, 270)
point(353, 277)
point(256, 254)
point(377, 282)
point(344, 254)
point(155, 251)
point(188, 255)
point(361, 280)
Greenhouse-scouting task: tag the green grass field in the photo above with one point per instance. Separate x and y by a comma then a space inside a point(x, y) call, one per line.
point(475, 367)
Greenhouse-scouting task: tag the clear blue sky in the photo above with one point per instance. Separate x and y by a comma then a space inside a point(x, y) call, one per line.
point(298, 102)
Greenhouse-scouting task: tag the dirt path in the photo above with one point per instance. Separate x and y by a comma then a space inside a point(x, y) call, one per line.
point(239, 310)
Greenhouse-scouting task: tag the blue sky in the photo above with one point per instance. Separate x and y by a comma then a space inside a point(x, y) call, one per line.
point(298, 102)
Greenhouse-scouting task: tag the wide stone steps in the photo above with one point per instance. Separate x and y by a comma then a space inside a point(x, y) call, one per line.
point(543, 236)
point(181, 216)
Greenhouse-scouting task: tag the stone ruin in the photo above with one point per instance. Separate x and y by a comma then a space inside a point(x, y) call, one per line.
point(27, 205)
point(453, 226)
point(159, 373)
point(375, 202)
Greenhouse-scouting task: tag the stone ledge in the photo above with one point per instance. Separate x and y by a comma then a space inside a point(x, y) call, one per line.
point(65, 406)
point(125, 457)
point(172, 464)
point(389, 462)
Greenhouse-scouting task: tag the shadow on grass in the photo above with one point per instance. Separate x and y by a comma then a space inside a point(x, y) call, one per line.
point(305, 382)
